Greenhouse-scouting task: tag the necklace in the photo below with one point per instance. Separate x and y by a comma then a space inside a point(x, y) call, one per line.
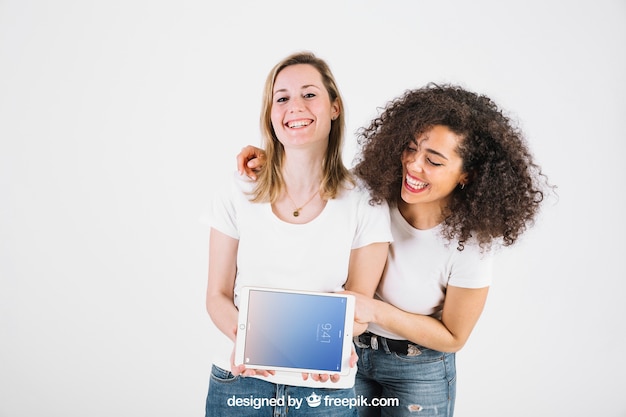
point(296, 209)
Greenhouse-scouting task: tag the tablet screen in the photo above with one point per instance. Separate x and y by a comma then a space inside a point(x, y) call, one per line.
point(295, 330)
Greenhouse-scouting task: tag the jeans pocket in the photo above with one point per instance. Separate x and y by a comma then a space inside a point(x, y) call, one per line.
point(425, 356)
point(222, 375)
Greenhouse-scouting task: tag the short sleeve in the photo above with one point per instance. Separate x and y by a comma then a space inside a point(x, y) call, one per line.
point(374, 223)
point(471, 268)
point(223, 212)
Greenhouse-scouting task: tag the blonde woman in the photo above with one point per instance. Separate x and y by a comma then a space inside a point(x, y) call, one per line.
point(304, 224)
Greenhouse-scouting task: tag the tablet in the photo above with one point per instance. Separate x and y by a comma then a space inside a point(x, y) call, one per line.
point(296, 331)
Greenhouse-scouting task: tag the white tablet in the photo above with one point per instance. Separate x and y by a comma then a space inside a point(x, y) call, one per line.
point(297, 331)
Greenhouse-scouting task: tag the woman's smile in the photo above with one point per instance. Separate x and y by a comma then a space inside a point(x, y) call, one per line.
point(299, 123)
point(414, 185)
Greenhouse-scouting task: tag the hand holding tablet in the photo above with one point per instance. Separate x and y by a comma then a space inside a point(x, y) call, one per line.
point(295, 331)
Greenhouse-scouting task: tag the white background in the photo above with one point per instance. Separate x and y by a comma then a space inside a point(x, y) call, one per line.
point(117, 119)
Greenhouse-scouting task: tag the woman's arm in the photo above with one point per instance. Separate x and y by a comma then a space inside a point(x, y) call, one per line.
point(461, 311)
point(222, 272)
point(364, 273)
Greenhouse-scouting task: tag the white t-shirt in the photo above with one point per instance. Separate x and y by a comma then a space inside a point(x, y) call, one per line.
point(312, 256)
point(421, 265)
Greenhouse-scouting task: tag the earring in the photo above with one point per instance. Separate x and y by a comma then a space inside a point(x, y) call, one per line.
point(462, 186)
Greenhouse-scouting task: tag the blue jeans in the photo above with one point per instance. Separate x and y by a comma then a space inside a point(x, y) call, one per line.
point(424, 382)
point(252, 397)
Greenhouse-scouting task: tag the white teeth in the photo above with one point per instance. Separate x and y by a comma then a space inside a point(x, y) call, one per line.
point(416, 184)
point(299, 123)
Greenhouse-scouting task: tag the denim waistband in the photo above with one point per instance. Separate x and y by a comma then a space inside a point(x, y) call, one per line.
point(375, 342)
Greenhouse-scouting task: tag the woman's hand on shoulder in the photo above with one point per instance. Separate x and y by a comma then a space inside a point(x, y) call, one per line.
point(250, 160)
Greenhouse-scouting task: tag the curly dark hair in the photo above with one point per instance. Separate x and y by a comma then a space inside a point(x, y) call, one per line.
point(504, 191)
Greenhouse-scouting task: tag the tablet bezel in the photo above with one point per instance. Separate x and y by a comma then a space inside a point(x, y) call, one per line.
point(242, 323)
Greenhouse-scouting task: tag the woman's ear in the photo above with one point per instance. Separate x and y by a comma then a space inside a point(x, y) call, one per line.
point(335, 110)
point(464, 179)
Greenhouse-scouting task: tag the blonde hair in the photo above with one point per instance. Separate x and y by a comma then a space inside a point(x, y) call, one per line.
point(270, 180)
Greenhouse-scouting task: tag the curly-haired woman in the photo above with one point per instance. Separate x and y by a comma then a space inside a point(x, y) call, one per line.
point(459, 179)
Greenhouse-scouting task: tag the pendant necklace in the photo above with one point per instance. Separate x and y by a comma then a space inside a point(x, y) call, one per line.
point(296, 209)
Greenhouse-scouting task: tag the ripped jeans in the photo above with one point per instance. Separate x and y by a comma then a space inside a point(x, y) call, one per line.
point(423, 381)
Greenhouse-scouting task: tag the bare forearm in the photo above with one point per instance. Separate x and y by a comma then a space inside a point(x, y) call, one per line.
point(462, 308)
point(223, 313)
point(366, 268)
point(222, 272)
point(423, 330)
